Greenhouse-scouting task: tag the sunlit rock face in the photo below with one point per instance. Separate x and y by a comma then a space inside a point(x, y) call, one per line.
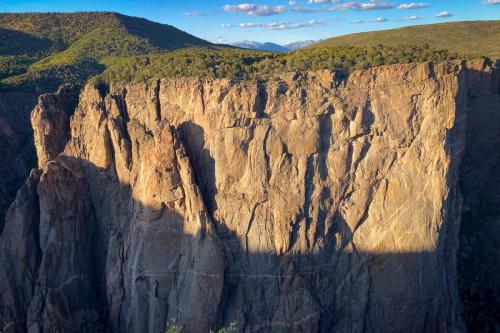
point(306, 203)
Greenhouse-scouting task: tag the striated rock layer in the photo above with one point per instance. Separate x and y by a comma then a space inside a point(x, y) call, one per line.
point(308, 203)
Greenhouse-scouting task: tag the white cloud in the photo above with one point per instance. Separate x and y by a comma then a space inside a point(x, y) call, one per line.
point(356, 21)
point(255, 10)
point(250, 25)
point(306, 10)
point(282, 25)
point(413, 18)
point(316, 22)
point(323, 1)
point(413, 5)
point(444, 14)
point(310, 2)
point(380, 19)
point(491, 2)
point(371, 5)
point(227, 25)
point(351, 5)
point(193, 14)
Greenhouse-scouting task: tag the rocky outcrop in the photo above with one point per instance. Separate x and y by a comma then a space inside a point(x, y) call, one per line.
point(50, 119)
point(306, 203)
point(17, 150)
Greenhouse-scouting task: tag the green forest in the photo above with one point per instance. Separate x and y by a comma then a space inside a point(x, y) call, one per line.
point(247, 64)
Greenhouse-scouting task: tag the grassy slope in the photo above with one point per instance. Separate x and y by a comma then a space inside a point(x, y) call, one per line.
point(472, 38)
point(40, 51)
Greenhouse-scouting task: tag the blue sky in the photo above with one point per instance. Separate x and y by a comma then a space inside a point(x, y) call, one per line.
point(280, 21)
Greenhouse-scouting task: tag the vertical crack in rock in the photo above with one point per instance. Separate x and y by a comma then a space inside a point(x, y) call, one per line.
point(261, 97)
point(157, 100)
point(201, 91)
point(268, 169)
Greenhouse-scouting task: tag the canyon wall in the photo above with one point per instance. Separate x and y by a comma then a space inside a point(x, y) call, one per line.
point(17, 151)
point(307, 203)
point(479, 260)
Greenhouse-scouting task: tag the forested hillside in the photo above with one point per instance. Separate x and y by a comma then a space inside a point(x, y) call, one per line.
point(475, 38)
point(248, 64)
point(41, 51)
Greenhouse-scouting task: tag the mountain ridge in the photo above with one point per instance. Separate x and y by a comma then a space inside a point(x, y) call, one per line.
point(479, 38)
point(273, 47)
point(63, 47)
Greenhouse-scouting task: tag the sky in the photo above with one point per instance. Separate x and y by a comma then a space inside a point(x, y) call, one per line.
point(279, 21)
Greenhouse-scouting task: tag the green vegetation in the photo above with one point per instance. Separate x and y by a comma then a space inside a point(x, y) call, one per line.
point(246, 64)
point(172, 327)
point(11, 65)
point(39, 52)
point(473, 38)
point(203, 62)
point(233, 328)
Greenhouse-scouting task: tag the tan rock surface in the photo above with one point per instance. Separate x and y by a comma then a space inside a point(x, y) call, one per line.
point(303, 204)
point(50, 120)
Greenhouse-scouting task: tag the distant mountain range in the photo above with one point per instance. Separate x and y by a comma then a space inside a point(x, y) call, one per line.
point(246, 44)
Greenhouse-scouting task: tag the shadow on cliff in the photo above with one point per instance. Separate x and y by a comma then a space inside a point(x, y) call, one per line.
point(478, 261)
point(203, 164)
point(17, 151)
point(337, 288)
point(97, 272)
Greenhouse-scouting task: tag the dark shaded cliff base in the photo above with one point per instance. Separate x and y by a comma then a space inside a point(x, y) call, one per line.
point(309, 203)
point(169, 273)
point(17, 148)
point(17, 151)
point(479, 259)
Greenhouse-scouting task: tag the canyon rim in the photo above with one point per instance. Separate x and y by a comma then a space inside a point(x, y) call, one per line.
point(308, 202)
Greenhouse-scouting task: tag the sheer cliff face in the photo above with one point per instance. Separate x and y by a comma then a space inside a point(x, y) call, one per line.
point(306, 203)
point(16, 145)
point(479, 261)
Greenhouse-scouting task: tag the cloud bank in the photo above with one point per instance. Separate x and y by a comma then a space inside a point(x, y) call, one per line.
point(255, 10)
